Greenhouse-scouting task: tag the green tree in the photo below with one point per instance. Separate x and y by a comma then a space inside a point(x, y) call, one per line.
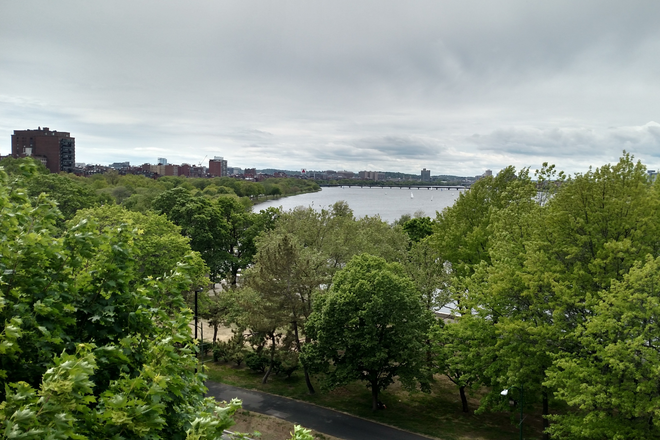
point(12, 166)
point(244, 227)
point(158, 244)
point(87, 351)
point(465, 352)
point(69, 194)
point(370, 327)
point(202, 221)
point(286, 275)
point(611, 382)
point(418, 228)
point(461, 231)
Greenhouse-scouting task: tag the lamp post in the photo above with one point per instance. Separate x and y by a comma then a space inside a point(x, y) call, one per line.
point(505, 393)
point(197, 290)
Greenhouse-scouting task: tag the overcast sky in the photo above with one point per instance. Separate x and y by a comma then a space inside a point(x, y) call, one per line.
point(453, 86)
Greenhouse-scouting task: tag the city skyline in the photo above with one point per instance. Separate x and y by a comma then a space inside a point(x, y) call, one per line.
point(453, 87)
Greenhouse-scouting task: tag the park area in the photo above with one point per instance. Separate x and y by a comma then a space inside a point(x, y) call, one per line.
point(437, 414)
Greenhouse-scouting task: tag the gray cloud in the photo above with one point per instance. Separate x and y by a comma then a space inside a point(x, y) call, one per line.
point(337, 84)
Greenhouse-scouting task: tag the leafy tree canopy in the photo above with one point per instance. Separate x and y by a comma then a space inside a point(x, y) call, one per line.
point(370, 327)
point(87, 349)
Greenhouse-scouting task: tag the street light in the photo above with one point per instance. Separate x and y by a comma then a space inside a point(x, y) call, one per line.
point(197, 290)
point(505, 393)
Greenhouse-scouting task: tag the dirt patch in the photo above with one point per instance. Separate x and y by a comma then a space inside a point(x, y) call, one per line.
point(271, 428)
point(204, 329)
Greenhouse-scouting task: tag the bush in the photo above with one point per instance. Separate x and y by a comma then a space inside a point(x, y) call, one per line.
point(286, 363)
point(257, 362)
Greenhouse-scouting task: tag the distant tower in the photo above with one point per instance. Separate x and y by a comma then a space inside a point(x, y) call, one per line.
point(55, 149)
point(162, 161)
point(488, 173)
point(218, 167)
point(426, 175)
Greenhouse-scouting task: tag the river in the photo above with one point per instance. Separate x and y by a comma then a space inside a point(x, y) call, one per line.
point(389, 203)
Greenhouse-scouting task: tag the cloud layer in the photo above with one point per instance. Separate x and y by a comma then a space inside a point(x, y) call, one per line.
point(456, 87)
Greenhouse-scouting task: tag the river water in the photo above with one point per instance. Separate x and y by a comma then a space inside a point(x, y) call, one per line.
point(389, 203)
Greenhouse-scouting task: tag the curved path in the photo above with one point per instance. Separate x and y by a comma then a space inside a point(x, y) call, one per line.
point(315, 417)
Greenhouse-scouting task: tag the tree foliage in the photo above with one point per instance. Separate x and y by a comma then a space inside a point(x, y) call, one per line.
point(370, 327)
point(88, 349)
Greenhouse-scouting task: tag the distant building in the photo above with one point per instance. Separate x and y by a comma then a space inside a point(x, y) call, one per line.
point(56, 150)
point(162, 161)
point(171, 170)
point(184, 170)
point(250, 173)
point(426, 175)
point(218, 167)
point(488, 173)
point(652, 174)
point(120, 165)
point(368, 175)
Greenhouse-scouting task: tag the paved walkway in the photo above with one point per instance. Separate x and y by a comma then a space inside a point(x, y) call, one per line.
point(310, 416)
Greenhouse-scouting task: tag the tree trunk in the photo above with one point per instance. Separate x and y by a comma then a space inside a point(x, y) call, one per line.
point(464, 400)
point(272, 359)
point(310, 388)
point(546, 422)
point(429, 357)
point(215, 332)
point(374, 395)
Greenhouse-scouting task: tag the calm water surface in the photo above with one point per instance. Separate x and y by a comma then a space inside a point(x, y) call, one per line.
point(389, 203)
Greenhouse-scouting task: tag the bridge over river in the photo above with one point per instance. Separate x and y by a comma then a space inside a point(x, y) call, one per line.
point(428, 187)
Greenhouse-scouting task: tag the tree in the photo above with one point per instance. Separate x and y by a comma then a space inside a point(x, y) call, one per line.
point(461, 231)
point(69, 194)
point(430, 275)
point(13, 166)
point(89, 351)
point(370, 326)
point(418, 228)
point(158, 244)
point(286, 275)
point(202, 221)
point(264, 318)
point(244, 226)
point(612, 380)
point(549, 260)
point(465, 352)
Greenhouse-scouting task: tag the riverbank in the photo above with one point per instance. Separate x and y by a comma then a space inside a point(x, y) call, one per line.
point(268, 198)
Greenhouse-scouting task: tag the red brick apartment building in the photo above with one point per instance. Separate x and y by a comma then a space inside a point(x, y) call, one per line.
point(55, 149)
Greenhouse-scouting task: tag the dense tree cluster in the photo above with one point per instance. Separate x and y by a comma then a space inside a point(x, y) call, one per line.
point(552, 282)
point(90, 348)
point(554, 287)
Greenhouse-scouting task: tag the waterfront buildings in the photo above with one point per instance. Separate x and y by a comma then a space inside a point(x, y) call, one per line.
point(55, 149)
point(368, 175)
point(426, 175)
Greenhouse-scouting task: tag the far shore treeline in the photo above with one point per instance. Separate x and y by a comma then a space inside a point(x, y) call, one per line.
point(552, 282)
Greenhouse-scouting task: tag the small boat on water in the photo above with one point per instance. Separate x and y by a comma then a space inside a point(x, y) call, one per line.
point(411, 195)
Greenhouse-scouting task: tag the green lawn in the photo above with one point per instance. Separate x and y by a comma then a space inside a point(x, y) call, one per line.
point(437, 414)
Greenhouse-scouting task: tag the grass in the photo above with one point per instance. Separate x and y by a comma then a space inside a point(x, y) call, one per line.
point(437, 414)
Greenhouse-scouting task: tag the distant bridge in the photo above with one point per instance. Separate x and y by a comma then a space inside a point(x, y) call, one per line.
point(436, 187)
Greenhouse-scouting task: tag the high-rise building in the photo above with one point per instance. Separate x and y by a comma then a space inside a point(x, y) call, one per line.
point(218, 167)
point(162, 161)
point(55, 149)
point(426, 175)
